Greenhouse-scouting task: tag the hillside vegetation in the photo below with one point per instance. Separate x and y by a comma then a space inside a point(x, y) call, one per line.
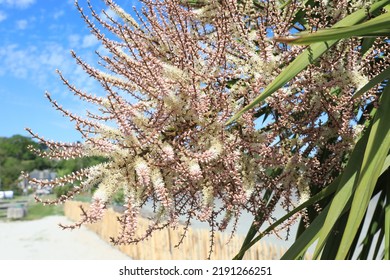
point(15, 157)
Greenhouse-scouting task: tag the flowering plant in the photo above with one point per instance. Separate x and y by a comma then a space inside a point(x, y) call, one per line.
point(178, 71)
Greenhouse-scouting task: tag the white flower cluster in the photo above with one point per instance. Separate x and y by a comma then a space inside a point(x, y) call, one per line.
point(177, 77)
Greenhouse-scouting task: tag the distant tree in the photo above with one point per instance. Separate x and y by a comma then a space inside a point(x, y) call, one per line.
point(16, 156)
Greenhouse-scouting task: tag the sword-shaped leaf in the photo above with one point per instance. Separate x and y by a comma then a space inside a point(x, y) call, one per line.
point(313, 52)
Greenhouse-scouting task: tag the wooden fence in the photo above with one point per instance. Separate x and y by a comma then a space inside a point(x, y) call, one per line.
point(161, 246)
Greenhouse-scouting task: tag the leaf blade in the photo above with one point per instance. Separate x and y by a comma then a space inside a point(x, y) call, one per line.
point(385, 74)
point(313, 52)
point(376, 151)
point(368, 28)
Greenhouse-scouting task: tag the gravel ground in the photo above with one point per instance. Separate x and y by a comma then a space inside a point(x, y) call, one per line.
point(44, 239)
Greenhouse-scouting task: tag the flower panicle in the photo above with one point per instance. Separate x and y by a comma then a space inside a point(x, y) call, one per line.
point(173, 76)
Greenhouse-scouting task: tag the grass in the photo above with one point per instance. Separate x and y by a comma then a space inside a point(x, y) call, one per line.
point(84, 197)
point(37, 211)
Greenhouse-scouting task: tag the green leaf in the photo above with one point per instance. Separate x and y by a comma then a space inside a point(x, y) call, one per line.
point(367, 44)
point(387, 220)
point(314, 199)
point(376, 151)
point(307, 238)
point(375, 225)
point(386, 164)
point(345, 191)
point(333, 242)
point(378, 244)
point(374, 27)
point(307, 57)
point(254, 228)
point(385, 74)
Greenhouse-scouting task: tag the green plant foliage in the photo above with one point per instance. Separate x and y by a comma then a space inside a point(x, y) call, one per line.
point(309, 56)
point(37, 211)
point(378, 26)
point(16, 157)
point(375, 154)
point(250, 241)
point(338, 228)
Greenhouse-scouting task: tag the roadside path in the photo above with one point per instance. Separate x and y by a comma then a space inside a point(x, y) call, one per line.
point(44, 239)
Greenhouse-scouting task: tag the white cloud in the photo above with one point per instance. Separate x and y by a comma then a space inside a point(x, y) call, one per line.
point(74, 40)
point(58, 14)
point(102, 50)
point(22, 24)
point(32, 62)
point(12, 57)
point(110, 13)
point(3, 16)
point(38, 64)
point(89, 41)
point(18, 3)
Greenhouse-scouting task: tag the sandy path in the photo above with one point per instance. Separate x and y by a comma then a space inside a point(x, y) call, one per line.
point(43, 239)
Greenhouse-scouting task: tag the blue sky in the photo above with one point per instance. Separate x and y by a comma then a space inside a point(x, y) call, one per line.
point(36, 37)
